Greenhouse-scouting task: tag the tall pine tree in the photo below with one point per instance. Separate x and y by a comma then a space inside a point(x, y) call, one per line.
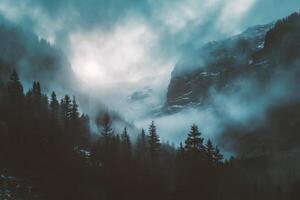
point(194, 141)
point(126, 144)
point(210, 150)
point(141, 146)
point(218, 157)
point(54, 107)
point(66, 109)
point(153, 142)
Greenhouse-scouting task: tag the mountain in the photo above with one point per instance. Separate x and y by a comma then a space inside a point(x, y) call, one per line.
point(252, 74)
point(214, 65)
point(33, 57)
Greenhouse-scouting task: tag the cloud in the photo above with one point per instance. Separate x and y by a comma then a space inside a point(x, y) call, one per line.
point(54, 19)
point(140, 49)
point(119, 62)
point(175, 127)
point(114, 57)
point(232, 14)
point(119, 47)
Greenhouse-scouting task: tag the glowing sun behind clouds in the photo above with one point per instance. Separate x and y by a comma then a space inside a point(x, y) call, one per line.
point(108, 58)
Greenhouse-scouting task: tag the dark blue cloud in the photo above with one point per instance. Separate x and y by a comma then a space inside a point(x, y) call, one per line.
point(72, 15)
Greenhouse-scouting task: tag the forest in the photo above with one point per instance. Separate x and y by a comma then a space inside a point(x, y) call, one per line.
point(48, 141)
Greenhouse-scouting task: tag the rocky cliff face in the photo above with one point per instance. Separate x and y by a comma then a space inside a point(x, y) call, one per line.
point(268, 56)
point(214, 66)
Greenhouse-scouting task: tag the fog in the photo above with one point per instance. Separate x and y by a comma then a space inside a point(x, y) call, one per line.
point(121, 49)
point(246, 106)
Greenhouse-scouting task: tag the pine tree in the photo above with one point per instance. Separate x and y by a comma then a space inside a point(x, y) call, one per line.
point(125, 138)
point(104, 123)
point(54, 119)
point(66, 108)
point(194, 141)
point(14, 87)
point(181, 149)
point(181, 152)
point(14, 76)
point(141, 146)
point(218, 157)
point(74, 122)
point(210, 150)
point(14, 108)
point(143, 140)
point(36, 102)
point(74, 115)
point(54, 106)
point(36, 89)
point(34, 98)
point(153, 141)
point(126, 144)
point(107, 145)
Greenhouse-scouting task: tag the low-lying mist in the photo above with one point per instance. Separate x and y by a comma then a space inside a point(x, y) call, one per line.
point(122, 53)
point(245, 103)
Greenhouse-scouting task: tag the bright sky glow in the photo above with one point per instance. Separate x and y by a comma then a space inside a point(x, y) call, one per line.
point(110, 58)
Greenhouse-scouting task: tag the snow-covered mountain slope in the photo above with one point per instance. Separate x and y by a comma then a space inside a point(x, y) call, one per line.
point(214, 65)
point(251, 82)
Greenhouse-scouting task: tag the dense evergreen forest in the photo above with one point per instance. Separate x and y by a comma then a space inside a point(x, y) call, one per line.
point(48, 141)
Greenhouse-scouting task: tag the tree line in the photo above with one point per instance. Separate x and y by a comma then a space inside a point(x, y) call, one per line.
point(50, 142)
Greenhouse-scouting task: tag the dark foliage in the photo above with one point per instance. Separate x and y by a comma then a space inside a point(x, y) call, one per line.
point(50, 144)
point(283, 41)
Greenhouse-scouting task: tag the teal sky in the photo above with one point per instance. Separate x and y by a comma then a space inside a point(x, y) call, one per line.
point(117, 47)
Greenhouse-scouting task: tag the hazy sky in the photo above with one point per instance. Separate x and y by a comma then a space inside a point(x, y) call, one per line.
point(116, 47)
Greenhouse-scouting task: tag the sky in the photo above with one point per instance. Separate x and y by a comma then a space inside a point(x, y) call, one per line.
point(119, 47)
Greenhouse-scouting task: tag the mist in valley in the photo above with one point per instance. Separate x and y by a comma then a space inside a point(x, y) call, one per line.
point(226, 71)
